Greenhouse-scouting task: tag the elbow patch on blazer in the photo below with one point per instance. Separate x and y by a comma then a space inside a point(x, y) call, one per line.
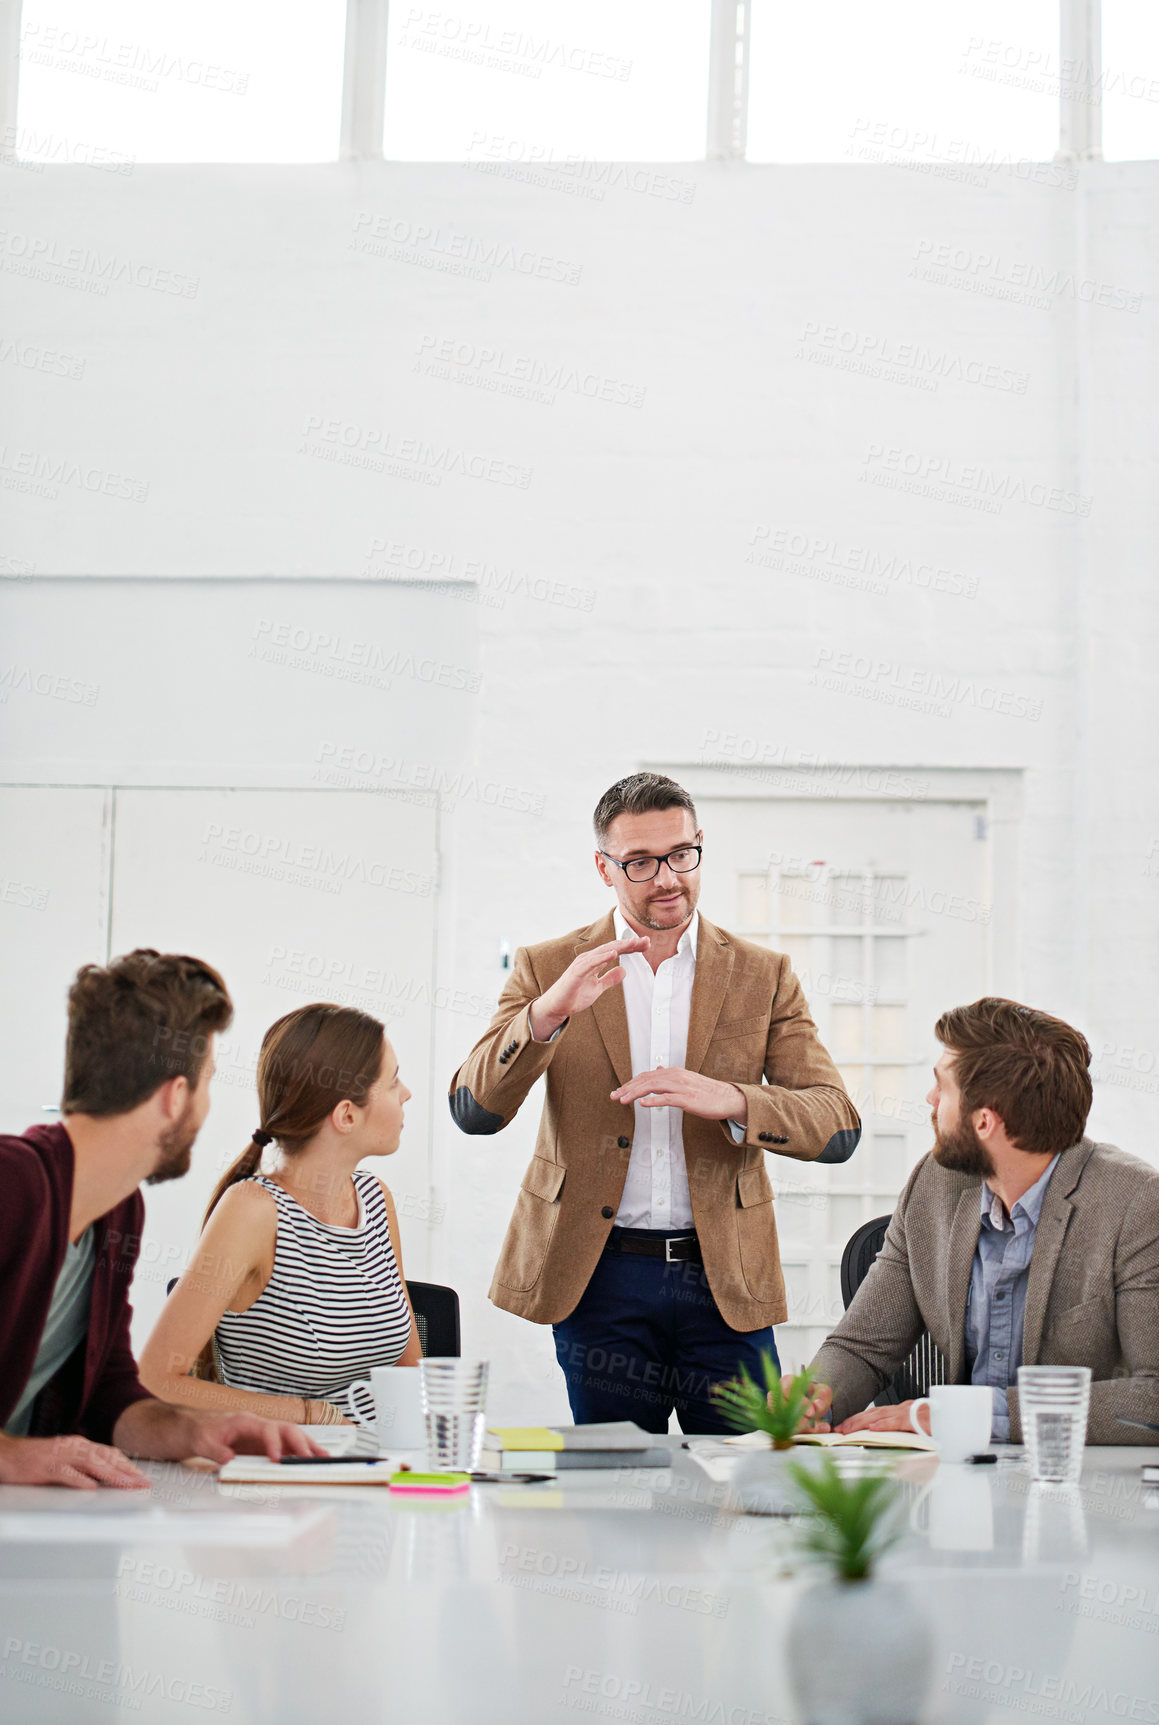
point(842, 1145)
point(471, 1116)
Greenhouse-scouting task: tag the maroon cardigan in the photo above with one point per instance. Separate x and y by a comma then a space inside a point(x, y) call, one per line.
point(93, 1388)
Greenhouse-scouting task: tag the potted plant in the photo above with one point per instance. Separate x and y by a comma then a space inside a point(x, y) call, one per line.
point(774, 1410)
point(859, 1649)
point(762, 1482)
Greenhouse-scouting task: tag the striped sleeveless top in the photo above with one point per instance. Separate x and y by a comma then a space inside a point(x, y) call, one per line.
point(333, 1308)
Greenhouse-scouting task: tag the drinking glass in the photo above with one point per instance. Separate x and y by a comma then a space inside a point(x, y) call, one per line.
point(1053, 1402)
point(455, 1406)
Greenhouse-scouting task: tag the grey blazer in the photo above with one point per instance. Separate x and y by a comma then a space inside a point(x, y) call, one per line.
point(1092, 1296)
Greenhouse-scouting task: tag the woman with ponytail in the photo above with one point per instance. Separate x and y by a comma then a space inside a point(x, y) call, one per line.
point(296, 1288)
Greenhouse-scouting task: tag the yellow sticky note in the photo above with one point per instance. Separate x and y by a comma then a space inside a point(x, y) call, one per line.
point(526, 1437)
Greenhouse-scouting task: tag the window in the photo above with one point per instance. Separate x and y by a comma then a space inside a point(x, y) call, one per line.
point(962, 91)
point(1130, 80)
point(907, 81)
point(113, 82)
point(541, 81)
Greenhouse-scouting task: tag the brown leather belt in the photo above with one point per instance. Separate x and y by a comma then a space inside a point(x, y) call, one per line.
point(674, 1249)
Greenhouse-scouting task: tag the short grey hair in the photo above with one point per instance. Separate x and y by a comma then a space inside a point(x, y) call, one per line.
point(639, 794)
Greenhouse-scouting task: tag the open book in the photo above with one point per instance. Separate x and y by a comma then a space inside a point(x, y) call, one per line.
point(836, 1440)
point(868, 1440)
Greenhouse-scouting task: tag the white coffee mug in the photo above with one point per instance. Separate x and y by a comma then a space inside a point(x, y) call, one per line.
point(398, 1406)
point(960, 1419)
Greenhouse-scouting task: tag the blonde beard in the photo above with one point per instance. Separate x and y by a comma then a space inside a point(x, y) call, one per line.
point(663, 927)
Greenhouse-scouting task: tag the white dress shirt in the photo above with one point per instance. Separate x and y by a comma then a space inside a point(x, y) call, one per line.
point(658, 1005)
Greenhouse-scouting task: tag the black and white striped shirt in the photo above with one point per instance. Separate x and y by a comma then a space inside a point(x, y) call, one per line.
point(333, 1308)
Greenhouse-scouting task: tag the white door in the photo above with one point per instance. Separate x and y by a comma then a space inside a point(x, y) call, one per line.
point(54, 875)
point(295, 896)
point(883, 908)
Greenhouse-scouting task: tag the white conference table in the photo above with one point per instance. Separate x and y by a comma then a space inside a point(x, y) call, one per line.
point(638, 1596)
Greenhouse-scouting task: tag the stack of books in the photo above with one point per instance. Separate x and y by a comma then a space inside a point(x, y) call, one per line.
point(558, 1449)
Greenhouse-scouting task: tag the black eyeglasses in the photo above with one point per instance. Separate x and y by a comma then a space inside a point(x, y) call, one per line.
point(682, 861)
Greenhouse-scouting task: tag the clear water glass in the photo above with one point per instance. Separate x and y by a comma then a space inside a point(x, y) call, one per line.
point(455, 1406)
point(1053, 1402)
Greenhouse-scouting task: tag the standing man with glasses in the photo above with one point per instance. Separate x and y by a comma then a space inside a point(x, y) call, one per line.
point(676, 1057)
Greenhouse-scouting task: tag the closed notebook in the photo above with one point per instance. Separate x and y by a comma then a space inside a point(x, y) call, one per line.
point(260, 1470)
point(560, 1449)
point(569, 1461)
point(621, 1435)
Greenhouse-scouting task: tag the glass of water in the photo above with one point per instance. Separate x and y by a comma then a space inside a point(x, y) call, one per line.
point(1053, 1402)
point(455, 1406)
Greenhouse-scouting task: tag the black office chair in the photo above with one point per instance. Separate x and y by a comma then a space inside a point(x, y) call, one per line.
point(436, 1310)
point(926, 1364)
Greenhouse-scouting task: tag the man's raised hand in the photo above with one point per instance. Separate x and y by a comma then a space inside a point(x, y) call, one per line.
point(585, 979)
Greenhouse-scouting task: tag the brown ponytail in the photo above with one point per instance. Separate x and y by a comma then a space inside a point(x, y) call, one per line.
point(311, 1060)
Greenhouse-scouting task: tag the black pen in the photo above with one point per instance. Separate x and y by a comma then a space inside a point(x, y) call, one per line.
point(332, 1460)
point(1143, 1425)
point(512, 1478)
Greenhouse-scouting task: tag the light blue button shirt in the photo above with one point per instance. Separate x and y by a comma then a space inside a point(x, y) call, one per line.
point(996, 1304)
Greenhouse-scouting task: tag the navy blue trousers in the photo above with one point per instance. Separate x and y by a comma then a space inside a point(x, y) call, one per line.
point(647, 1339)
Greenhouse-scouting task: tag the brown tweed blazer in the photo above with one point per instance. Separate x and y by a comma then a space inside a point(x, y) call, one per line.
point(749, 1023)
point(1092, 1295)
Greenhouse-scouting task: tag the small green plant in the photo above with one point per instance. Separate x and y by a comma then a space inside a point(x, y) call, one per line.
point(853, 1521)
point(773, 1410)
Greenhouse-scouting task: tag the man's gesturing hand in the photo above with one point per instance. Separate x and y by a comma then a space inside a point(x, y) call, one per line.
point(584, 980)
point(675, 1087)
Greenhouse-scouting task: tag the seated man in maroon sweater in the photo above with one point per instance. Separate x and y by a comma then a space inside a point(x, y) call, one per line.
point(138, 1062)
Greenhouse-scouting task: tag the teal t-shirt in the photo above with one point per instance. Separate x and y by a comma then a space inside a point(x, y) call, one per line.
point(64, 1328)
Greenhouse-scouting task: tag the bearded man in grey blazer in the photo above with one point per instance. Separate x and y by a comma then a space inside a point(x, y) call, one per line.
point(1017, 1241)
